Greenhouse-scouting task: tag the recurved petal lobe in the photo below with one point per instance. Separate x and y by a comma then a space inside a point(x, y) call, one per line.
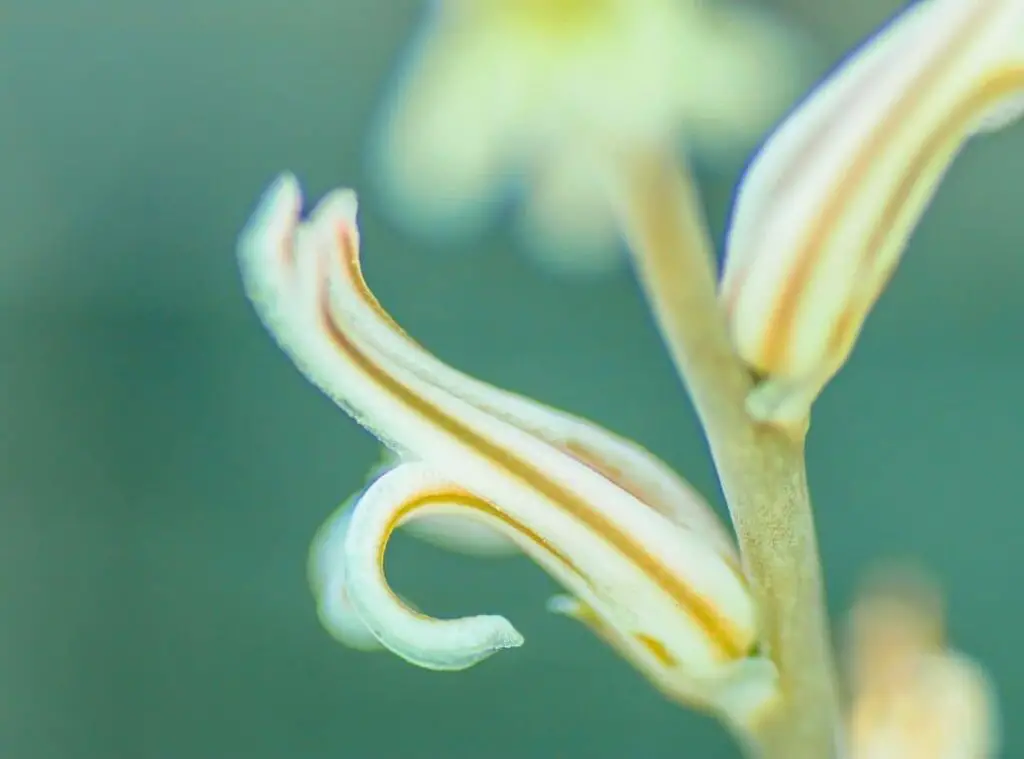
point(628, 538)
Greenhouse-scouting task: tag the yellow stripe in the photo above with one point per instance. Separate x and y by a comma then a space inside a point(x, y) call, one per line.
point(788, 305)
point(948, 132)
point(730, 641)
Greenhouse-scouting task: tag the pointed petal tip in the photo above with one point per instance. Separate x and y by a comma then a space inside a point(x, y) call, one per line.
point(340, 205)
point(507, 636)
point(285, 182)
point(453, 645)
point(283, 193)
point(275, 215)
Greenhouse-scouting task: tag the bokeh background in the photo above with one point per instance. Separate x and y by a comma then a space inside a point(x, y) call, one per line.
point(163, 467)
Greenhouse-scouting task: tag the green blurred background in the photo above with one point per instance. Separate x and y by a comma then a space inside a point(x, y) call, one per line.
point(163, 467)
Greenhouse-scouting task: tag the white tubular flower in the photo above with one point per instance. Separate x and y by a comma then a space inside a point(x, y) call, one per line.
point(501, 89)
point(912, 697)
point(826, 208)
point(646, 562)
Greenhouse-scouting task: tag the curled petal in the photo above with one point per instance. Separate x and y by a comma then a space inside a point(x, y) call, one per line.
point(618, 459)
point(330, 590)
point(403, 493)
point(827, 207)
point(269, 247)
point(451, 532)
point(410, 491)
point(456, 533)
point(327, 572)
point(647, 555)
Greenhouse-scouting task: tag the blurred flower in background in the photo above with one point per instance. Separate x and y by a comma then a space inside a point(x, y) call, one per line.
point(501, 91)
point(912, 696)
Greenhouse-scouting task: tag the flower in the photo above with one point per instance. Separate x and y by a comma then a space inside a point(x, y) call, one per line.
point(645, 561)
point(501, 89)
point(826, 209)
point(819, 223)
point(913, 696)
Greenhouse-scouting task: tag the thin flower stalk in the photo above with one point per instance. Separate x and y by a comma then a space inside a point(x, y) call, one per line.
point(761, 468)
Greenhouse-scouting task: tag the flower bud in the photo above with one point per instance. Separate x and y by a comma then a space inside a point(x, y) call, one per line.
point(826, 208)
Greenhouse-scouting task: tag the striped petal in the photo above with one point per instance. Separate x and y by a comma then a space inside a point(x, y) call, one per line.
point(626, 536)
point(327, 572)
point(827, 207)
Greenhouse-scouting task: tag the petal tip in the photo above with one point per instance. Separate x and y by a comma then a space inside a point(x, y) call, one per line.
point(507, 636)
point(273, 221)
point(283, 193)
point(341, 204)
point(285, 182)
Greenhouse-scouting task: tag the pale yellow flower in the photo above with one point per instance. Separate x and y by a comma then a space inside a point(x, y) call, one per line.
point(542, 90)
point(646, 562)
point(827, 207)
point(912, 696)
point(820, 221)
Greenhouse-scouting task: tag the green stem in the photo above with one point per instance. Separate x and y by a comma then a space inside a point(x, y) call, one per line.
point(761, 468)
